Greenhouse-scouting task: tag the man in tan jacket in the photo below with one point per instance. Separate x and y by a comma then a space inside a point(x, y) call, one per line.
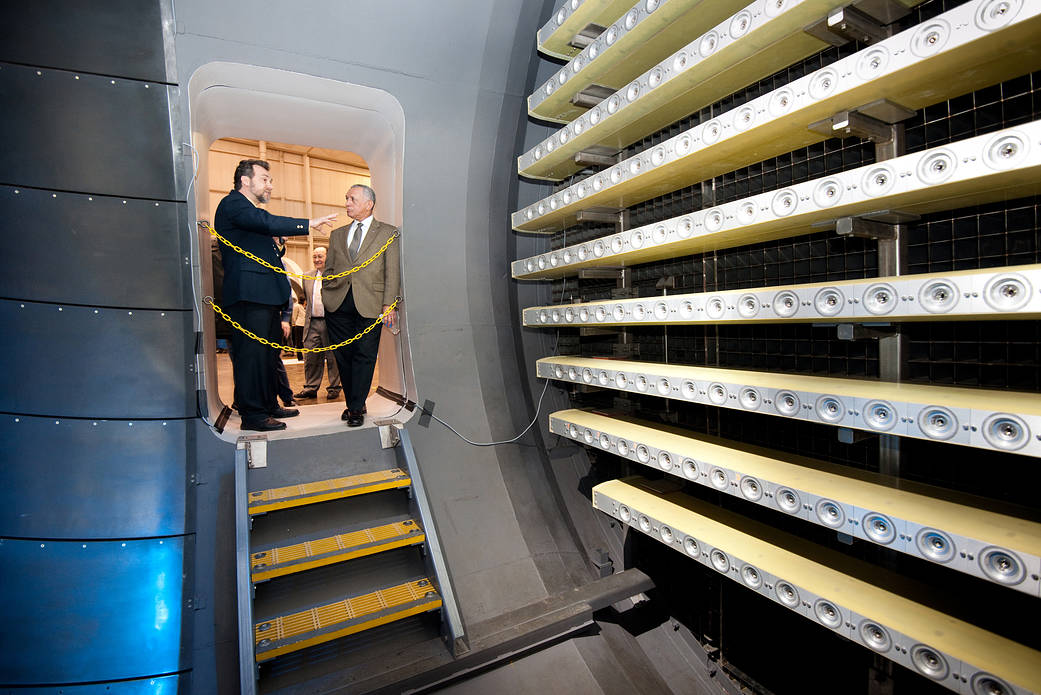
point(353, 302)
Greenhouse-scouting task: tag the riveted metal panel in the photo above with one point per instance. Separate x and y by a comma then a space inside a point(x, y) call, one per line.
point(75, 478)
point(91, 611)
point(78, 132)
point(76, 361)
point(161, 685)
point(89, 249)
point(115, 37)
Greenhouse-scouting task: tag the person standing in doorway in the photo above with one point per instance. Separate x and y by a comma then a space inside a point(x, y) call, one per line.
point(254, 294)
point(353, 302)
point(316, 335)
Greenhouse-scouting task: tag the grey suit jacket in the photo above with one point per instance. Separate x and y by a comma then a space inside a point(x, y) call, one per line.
point(376, 286)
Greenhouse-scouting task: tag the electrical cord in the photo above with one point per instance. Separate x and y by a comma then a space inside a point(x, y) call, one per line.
point(538, 407)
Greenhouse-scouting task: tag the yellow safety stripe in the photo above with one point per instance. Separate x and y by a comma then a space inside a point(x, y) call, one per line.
point(278, 562)
point(297, 631)
point(321, 490)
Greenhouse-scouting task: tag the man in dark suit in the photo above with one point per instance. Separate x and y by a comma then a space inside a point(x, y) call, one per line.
point(316, 335)
point(253, 294)
point(353, 302)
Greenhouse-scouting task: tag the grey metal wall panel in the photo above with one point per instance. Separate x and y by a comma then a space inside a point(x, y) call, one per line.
point(91, 611)
point(88, 36)
point(163, 685)
point(75, 361)
point(77, 132)
point(92, 478)
point(93, 249)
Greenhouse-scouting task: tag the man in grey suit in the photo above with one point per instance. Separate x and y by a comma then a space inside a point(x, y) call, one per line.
point(316, 335)
point(353, 302)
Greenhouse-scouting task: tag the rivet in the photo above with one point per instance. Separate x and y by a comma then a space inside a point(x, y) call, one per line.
point(112, 81)
point(90, 197)
point(38, 72)
point(130, 313)
point(84, 545)
point(124, 202)
point(43, 545)
point(57, 422)
point(60, 309)
point(146, 86)
point(95, 311)
point(54, 195)
point(94, 424)
point(18, 419)
point(16, 191)
point(123, 545)
point(130, 424)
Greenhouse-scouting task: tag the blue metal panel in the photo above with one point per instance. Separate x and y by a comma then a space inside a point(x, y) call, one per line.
point(77, 132)
point(162, 685)
point(75, 361)
point(115, 37)
point(93, 250)
point(81, 612)
point(92, 478)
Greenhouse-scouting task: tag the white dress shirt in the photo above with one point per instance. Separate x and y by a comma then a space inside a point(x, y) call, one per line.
point(365, 224)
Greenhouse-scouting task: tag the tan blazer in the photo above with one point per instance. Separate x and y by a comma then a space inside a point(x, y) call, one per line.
point(376, 286)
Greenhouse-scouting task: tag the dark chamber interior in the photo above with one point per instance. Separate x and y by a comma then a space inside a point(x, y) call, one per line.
point(759, 641)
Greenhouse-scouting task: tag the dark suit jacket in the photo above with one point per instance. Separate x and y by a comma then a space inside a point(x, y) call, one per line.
point(247, 226)
point(376, 286)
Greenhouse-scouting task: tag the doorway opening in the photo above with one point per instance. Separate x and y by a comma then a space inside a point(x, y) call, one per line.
point(320, 137)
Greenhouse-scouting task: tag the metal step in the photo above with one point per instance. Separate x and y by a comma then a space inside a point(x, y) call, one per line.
point(323, 623)
point(308, 554)
point(263, 501)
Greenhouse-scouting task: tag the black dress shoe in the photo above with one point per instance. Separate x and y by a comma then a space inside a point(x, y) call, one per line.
point(355, 419)
point(266, 425)
point(306, 393)
point(285, 412)
point(332, 393)
point(290, 403)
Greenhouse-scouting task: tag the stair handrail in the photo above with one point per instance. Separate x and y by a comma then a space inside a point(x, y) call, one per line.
point(451, 616)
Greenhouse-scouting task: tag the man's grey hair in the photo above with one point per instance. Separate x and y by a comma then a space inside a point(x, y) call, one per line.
point(369, 193)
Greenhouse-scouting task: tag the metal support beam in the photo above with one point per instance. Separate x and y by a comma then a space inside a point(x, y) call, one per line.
point(853, 25)
point(596, 156)
point(603, 215)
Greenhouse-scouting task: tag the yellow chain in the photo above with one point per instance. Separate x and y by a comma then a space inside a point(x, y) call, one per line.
point(302, 276)
point(288, 348)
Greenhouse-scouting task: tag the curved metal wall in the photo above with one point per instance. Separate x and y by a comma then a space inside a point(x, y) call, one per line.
point(95, 478)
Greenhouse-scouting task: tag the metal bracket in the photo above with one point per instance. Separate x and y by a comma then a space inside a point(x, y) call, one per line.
point(389, 436)
point(606, 215)
point(866, 21)
point(586, 35)
point(864, 228)
point(875, 122)
point(851, 436)
point(857, 331)
point(596, 156)
point(591, 96)
point(255, 446)
point(603, 563)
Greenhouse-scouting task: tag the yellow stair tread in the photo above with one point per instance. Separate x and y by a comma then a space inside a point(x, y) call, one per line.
point(322, 490)
point(290, 633)
point(298, 557)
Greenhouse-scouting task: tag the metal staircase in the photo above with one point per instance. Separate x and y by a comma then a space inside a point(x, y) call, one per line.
point(334, 560)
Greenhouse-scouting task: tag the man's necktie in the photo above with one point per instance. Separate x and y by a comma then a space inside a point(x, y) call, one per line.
point(355, 242)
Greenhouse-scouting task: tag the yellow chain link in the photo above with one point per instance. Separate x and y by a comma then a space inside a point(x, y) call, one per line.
point(288, 348)
point(302, 276)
